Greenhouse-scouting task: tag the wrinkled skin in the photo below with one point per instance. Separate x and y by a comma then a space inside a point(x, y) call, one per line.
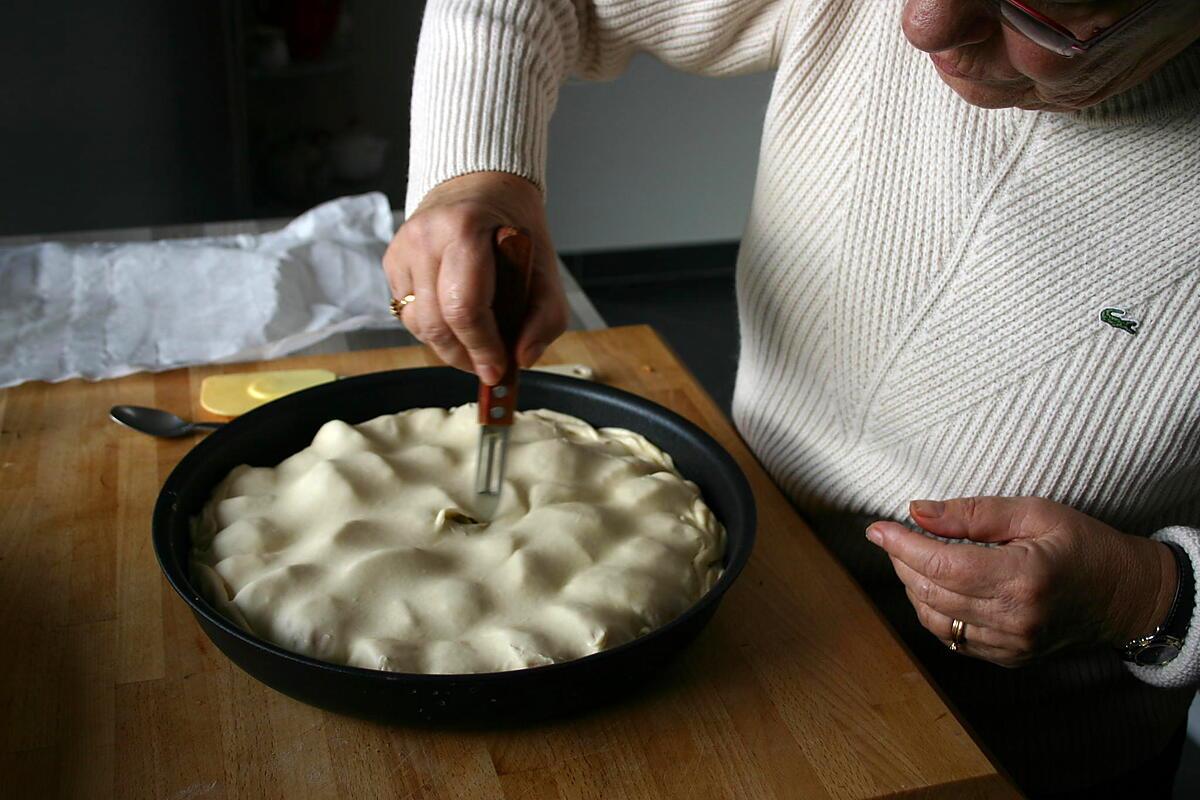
point(443, 255)
point(1057, 579)
point(993, 66)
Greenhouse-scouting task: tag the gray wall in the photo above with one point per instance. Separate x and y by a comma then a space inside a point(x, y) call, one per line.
point(654, 158)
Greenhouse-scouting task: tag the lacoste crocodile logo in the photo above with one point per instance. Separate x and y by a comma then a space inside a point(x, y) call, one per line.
point(1116, 318)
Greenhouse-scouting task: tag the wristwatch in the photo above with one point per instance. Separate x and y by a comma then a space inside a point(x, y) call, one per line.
point(1161, 647)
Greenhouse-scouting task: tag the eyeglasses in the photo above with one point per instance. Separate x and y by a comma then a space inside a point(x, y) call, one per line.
point(1055, 36)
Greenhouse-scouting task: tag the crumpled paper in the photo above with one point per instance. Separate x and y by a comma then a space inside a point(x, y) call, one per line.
point(104, 310)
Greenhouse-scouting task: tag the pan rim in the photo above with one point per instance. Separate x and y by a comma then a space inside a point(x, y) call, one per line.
point(166, 515)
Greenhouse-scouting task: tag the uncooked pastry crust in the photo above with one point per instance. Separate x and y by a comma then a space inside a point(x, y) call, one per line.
point(356, 550)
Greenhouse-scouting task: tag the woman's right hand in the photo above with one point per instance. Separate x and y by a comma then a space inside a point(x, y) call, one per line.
point(443, 255)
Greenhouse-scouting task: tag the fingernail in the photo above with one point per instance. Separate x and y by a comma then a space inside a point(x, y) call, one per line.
point(930, 509)
point(874, 535)
point(489, 374)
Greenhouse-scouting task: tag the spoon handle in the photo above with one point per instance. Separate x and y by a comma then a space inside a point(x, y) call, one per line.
point(207, 426)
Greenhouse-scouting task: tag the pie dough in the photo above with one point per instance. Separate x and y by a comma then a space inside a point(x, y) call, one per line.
point(362, 549)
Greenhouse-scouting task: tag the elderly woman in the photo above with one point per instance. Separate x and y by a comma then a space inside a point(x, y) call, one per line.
point(971, 270)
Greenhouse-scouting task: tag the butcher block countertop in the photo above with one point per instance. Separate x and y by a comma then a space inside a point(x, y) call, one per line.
point(109, 689)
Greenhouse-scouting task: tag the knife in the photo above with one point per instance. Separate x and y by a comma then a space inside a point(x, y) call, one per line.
point(513, 250)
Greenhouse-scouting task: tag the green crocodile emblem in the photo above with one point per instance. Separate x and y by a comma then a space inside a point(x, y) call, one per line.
point(1116, 318)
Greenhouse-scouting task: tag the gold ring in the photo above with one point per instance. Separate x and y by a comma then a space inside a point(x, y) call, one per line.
point(398, 305)
point(958, 635)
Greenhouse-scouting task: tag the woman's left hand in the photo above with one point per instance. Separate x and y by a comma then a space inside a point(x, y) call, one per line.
point(1057, 578)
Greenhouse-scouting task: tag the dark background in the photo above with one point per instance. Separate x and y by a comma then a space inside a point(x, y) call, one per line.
point(153, 112)
point(158, 113)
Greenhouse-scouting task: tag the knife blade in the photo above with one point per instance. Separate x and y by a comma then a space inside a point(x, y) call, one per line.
point(513, 251)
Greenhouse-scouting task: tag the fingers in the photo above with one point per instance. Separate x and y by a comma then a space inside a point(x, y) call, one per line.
point(974, 609)
point(465, 286)
point(396, 270)
point(424, 316)
point(959, 568)
point(443, 255)
point(943, 606)
point(414, 264)
point(976, 641)
point(546, 316)
point(980, 519)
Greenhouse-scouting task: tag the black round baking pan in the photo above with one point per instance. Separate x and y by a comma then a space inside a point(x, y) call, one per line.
point(271, 433)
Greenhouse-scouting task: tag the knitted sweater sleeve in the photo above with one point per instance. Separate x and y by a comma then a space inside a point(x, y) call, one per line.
point(1184, 671)
point(488, 71)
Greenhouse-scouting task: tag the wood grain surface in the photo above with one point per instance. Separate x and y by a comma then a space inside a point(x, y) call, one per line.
point(109, 689)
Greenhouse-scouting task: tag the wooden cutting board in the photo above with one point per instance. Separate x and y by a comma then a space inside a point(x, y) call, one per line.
point(108, 687)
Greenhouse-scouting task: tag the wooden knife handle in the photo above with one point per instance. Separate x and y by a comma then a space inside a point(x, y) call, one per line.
point(513, 250)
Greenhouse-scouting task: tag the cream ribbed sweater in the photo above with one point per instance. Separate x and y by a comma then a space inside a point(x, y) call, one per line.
point(920, 287)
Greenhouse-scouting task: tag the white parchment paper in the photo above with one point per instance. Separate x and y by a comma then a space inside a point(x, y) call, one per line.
point(103, 310)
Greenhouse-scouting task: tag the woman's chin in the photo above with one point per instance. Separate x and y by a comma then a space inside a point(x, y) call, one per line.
point(987, 95)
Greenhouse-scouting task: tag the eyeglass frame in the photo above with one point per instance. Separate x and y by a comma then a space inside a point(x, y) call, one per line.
point(1072, 45)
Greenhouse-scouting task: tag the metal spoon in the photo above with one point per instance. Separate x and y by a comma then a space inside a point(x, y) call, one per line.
point(157, 422)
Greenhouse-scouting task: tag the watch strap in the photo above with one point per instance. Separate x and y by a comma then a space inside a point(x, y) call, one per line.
point(1166, 642)
point(1179, 617)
